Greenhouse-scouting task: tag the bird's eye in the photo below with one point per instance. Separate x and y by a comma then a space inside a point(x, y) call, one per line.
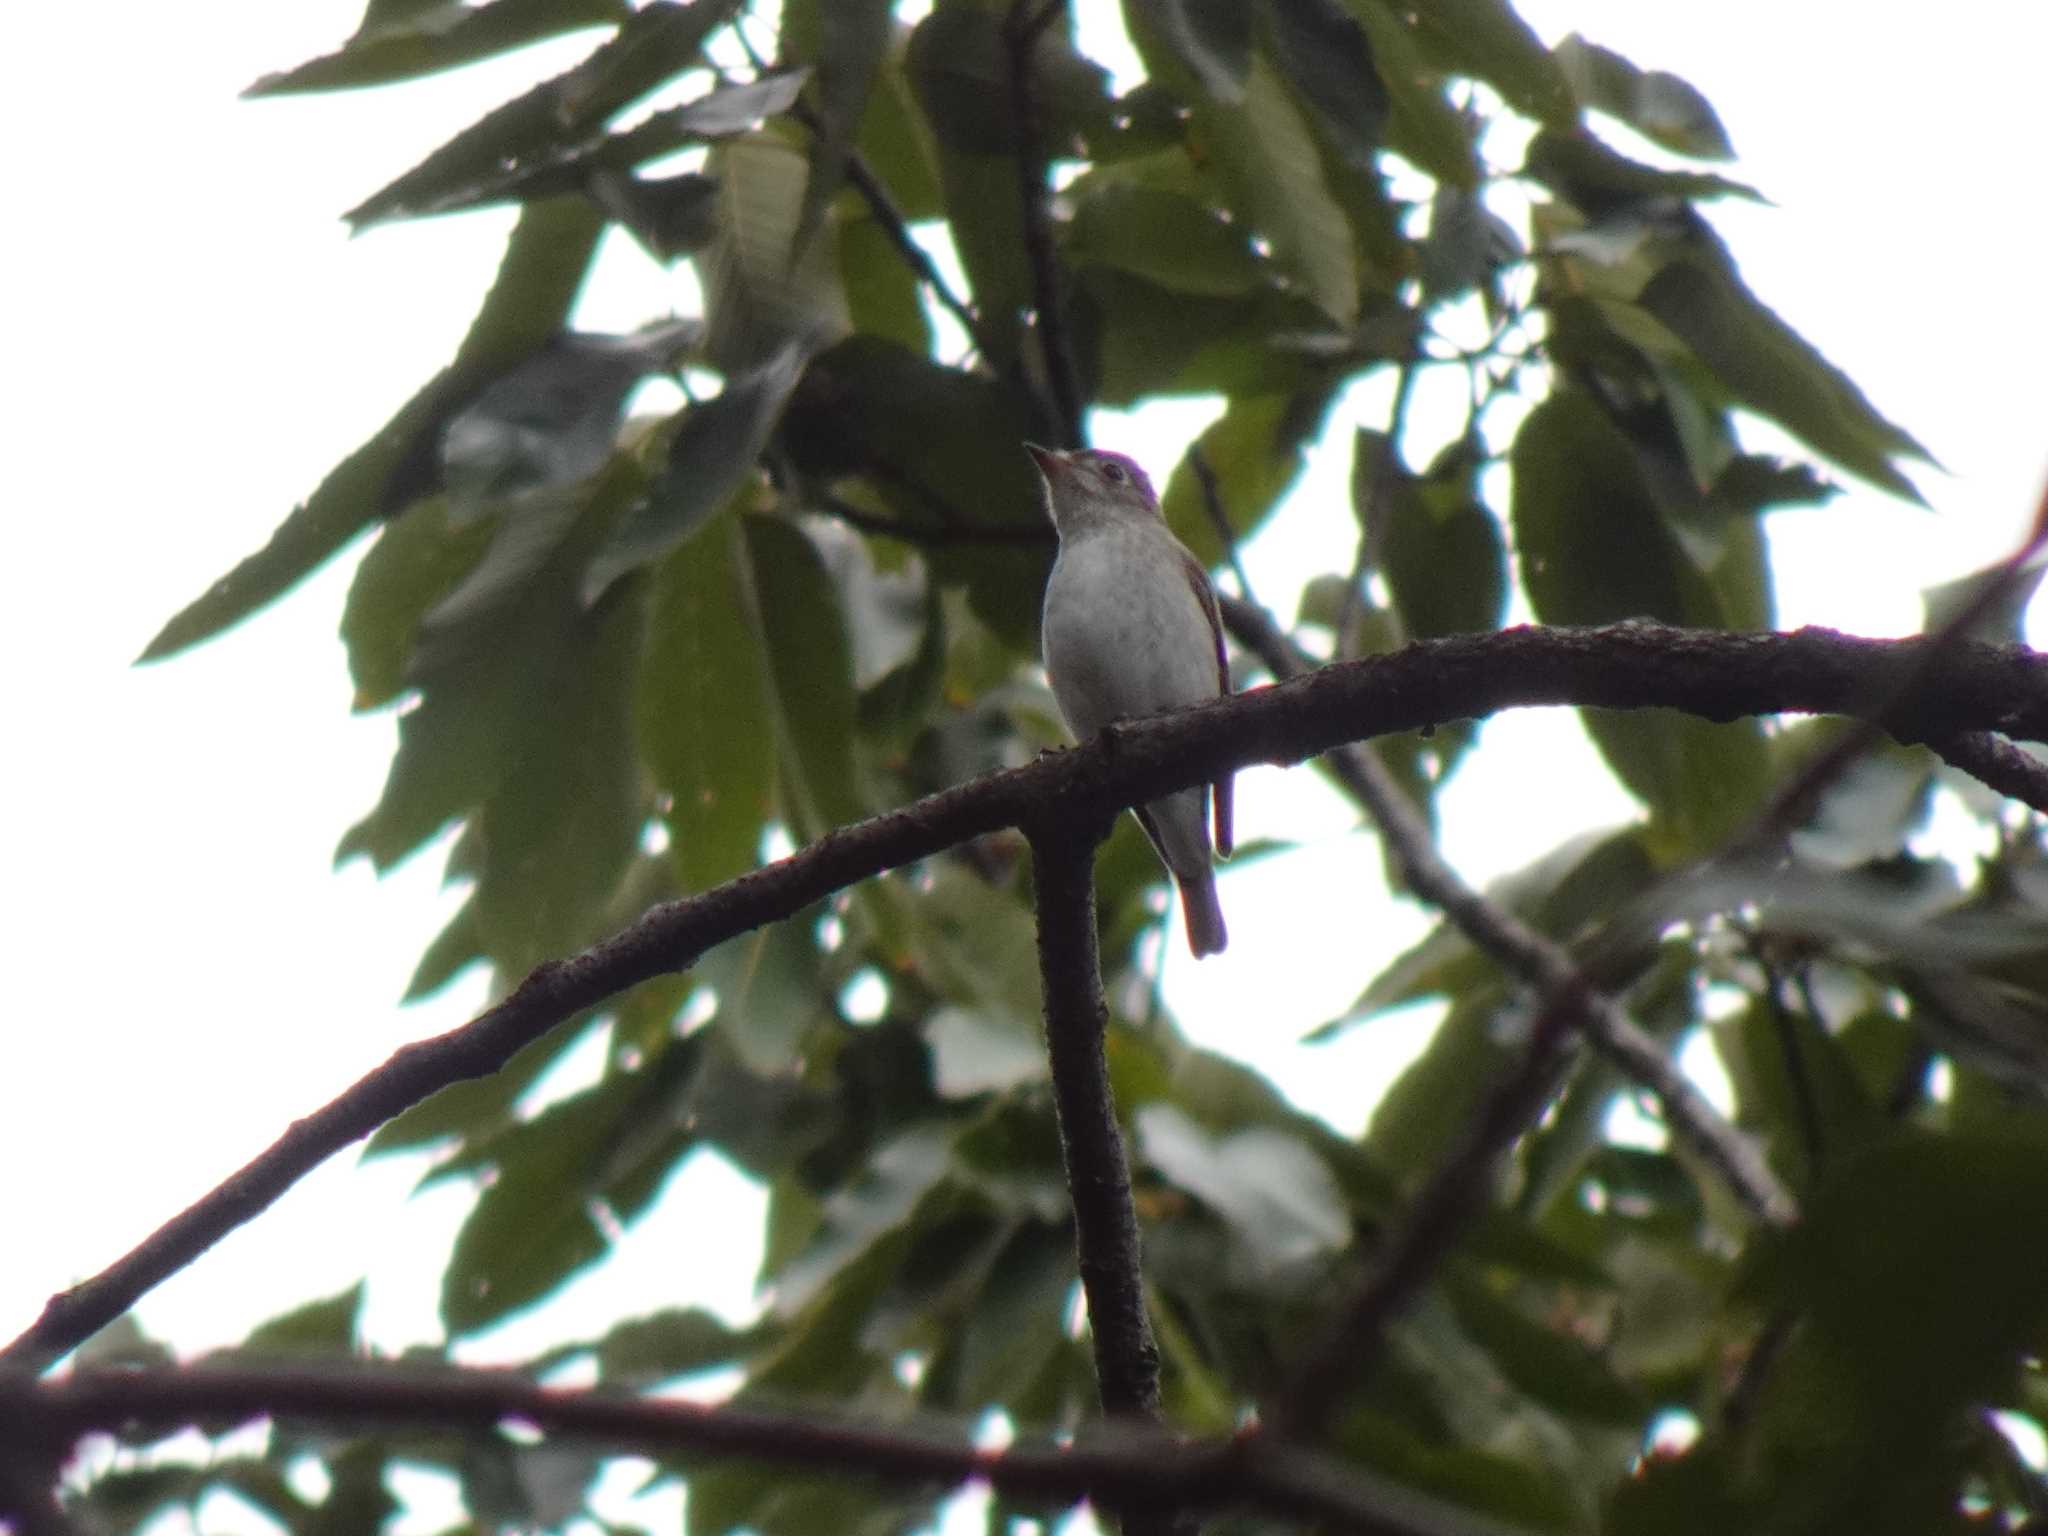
point(1114, 472)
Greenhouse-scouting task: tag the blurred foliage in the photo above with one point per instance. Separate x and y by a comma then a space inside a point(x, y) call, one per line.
point(631, 651)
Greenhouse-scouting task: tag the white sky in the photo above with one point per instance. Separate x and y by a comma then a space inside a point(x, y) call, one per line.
point(197, 341)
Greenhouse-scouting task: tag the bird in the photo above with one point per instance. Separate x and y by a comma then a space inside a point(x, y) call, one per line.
point(1131, 627)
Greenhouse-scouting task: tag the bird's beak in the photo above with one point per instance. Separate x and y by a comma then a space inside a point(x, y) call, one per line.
point(1050, 461)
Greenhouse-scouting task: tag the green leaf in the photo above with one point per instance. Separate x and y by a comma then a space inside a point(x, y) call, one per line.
point(810, 670)
point(1487, 41)
point(559, 115)
point(554, 419)
point(958, 63)
point(531, 1227)
point(1551, 1367)
point(1162, 236)
point(852, 39)
point(2003, 621)
point(1150, 340)
point(494, 662)
point(710, 457)
point(1441, 548)
point(326, 1326)
point(870, 1210)
point(561, 827)
point(1422, 125)
point(1256, 451)
point(454, 949)
point(1211, 39)
point(703, 710)
point(417, 560)
point(542, 270)
point(1325, 56)
point(1770, 368)
point(1275, 1193)
point(1659, 106)
point(882, 294)
point(1594, 549)
point(1266, 159)
point(436, 37)
point(1598, 179)
point(761, 295)
point(770, 991)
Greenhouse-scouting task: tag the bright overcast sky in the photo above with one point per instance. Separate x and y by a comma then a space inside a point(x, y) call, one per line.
point(196, 341)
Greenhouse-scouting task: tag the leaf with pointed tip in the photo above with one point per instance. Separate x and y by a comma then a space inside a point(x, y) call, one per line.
point(417, 560)
point(853, 39)
point(1776, 372)
point(1487, 41)
point(1266, 158)
point(1422, 124)
point(710, 457)
point(1661, 107)
point(770, 991)
point(1598, 179)
point(1255, 449)
point(543, 267)
point(439, 36)
point(2000, 624)
point(1326, 57)
point(556, 117)
point(958, 60)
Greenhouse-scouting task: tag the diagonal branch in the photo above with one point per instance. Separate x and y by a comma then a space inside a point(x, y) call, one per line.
point(1127, 1464)
point(1543, 964)
point(1717, 675)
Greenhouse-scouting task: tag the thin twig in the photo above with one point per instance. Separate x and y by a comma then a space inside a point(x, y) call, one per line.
point(1023, 25)
point(1128, 1464)
point(1710, 673)
point(1219, 516)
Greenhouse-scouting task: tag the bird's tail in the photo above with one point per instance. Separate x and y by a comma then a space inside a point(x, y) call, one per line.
point(1206, 933)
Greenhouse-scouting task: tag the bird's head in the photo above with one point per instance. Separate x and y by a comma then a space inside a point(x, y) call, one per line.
point(1087, 485)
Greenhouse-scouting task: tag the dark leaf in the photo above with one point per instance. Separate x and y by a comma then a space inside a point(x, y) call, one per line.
point(1255, 450)
point(710, 457)
point(326, 1327)
point(1756, 482)
point(1584, 171)
point(642, 1351)
point(1551, 1367)
point(671, 216)
point(554, 419)
point(958, 63)
point(439, 36)
point(1324, 55)
point(1266, 159)
point(1422, 124)
point(555, 118)
point(1486, 40)
point(1770, 368)
point(417, 561)
point(1162, 236)
point(770, 991)
point(1660, 106)
point(542, 270)
point(853, 39)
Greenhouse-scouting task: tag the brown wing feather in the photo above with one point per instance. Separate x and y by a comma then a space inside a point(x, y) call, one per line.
point(1206, 595)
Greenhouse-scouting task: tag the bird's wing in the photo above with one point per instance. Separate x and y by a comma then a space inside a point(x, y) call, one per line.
point(1205, 594)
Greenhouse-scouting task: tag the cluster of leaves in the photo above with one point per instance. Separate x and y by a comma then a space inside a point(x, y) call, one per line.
point(632, 651)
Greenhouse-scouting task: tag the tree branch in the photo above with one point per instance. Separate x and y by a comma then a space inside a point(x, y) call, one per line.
point(1117, 1464)
point(1998, 764)
point(1092, 1148)
point(1023, 25)
point(1713, 674)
